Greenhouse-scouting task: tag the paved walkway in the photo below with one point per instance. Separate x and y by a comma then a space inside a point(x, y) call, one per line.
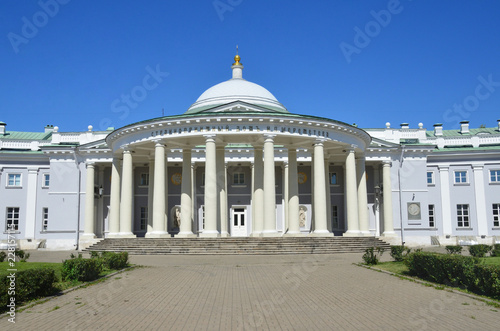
point(301, 292)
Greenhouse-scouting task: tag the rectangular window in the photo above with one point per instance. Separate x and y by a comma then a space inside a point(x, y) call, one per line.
point(431, 216)
point(333, 178)
point(494, 176)
point(238, 178)
point(430, 178)
point(45, 218)
point(12, 219)
point(460, 177)
point(496, 214)
point(144, 218)
point(335, 217)
point(463, 216)
point(46, 180)
point(144, 180)
point(14, 180)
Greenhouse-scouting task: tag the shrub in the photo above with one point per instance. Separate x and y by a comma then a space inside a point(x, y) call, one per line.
point(398, 253)
point(496, 250)
point(21, 255)
point(479, 250)
point(30, 284)
point(81, 269)
point(454, 249)
point(370, 257)
point(114, 261)
point(3, 255)
point(456, 270)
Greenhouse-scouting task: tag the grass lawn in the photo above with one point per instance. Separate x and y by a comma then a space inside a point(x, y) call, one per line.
point(61, 285)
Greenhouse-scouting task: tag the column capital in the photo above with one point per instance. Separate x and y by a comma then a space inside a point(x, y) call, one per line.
point(477, 167)
point(90, 164)
point(319, 141)
point(126, 150)
point(159, 142)
point(387, 163)
point(444, 168)
point(269, 137)
point(210, 137)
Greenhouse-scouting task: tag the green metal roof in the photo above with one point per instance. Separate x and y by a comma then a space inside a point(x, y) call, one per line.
point(467, 148)
point(472, 132)
point(19, 135)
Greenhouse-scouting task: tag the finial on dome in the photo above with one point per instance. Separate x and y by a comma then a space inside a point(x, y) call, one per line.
point(237, 66)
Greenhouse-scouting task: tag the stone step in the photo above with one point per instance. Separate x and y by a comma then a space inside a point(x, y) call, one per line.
point(231, 246)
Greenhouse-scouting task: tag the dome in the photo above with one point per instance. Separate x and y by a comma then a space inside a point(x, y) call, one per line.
point(236, 89)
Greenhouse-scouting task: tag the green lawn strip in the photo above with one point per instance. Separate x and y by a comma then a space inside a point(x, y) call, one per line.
point(491, 260)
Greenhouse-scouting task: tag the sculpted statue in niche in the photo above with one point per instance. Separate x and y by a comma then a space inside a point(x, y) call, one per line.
point(176, 216)
point(302, 216)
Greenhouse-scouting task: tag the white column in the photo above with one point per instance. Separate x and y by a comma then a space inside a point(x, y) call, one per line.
point(210, 188)
point(319, 207)
point(114, 203)
point(258, 193)
point(387, 193)
point(186, 228)
point(293, 194)
point(351, 195)
point(444, 178)
point(269, 188)
point(159, 194)
point(284, 179)
point(222, 190)
point(126, 202)
point(31, 202)
point(328, 196)
point(376, 180)
point(89, 226)
point(151, 185)
point(364, 223)
point(481, 208)
point(99, 229)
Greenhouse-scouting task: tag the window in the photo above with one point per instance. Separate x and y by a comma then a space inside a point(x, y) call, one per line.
point(12, 219)
point(460, 177)
point(46, 180)
point(14, 180)
point(333, 178)
point(430, 178)
point(494, 176)
point(431, 216)
point(45, 219)
point(335, 217)
point(238, 178)
point(144, 181)
point(496, 214)
point(463, 216)
point(144, 217)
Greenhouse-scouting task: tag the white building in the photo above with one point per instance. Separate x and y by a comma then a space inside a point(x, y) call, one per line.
point(238, 163)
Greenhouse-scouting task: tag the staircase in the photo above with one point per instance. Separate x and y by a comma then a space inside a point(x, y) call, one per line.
point(234, 246)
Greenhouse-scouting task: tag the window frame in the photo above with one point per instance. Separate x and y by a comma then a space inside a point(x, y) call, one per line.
point(497, 176)
point(142, 176)
point(12, 219)
point(45, 180)
point(8, 185)
point(241, 178)
point(432, 216)
point(432, 178)
point(45, 219)
point(143, 218)
point(466, 182)
point(463, 219)
point(496, 215)
point(333, 175)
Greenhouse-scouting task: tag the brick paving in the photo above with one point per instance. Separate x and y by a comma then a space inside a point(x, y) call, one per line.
point(300, 292)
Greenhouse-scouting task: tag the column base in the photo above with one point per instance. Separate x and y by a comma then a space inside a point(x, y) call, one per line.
point(126, 235)
point(225, 235)
point(256, 234)
point(321, 233)
point(352, 234)
point(185, 235)
point(270, 233)
point(209, 234)
point(367, 234)
point(389, 234)
point(87, 236)
point(157, 234)
point(113, 235)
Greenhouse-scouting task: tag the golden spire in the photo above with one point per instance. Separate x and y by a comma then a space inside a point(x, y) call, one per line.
point(237, 58)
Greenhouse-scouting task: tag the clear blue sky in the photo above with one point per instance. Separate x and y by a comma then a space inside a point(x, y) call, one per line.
point(420, 62)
